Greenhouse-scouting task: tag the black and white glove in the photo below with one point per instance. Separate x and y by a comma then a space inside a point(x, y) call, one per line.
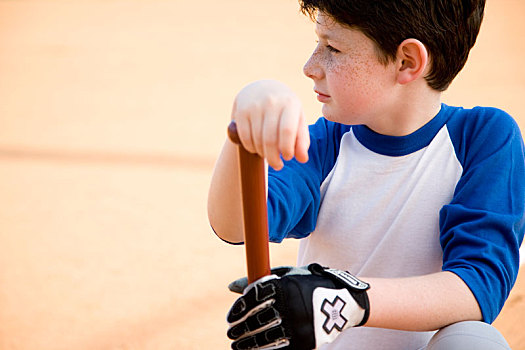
point(296, 308)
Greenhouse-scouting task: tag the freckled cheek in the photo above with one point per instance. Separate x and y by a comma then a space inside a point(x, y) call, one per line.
point(362, 77)
point(344, 80)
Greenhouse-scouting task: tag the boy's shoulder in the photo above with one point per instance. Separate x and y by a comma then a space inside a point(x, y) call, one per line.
point(479, 114)
point(481, 131)
point(484, 120)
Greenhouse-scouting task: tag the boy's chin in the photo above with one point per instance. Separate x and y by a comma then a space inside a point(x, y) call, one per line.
point(328, 113)
point(336, 117)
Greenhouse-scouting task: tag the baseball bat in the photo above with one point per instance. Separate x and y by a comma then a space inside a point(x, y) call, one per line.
point(253, 190)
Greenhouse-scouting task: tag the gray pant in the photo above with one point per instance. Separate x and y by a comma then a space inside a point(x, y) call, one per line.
point(466, 336)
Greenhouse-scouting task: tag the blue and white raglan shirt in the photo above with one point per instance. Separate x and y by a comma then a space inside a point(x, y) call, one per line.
point(449, 196)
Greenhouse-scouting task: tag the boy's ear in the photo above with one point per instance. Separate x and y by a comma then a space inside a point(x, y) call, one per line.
point(412, 60)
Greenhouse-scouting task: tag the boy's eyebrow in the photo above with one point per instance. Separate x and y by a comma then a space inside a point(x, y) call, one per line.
point(323, 35)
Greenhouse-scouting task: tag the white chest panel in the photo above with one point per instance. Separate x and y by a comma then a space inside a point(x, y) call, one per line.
point(379, 215)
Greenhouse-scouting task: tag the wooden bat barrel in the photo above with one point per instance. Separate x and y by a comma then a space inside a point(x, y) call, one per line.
point(253, 189)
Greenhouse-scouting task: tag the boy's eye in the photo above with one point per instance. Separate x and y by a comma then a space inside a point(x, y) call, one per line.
point(329, 47)
point(332, 49)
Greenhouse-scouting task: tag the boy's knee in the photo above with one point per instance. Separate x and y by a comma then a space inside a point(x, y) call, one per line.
point(468, 335)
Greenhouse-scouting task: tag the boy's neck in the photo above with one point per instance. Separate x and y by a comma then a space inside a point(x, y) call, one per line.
point(412, 111)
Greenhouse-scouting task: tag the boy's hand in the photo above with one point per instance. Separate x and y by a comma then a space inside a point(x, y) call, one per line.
point(270, 122)
point(296, 308)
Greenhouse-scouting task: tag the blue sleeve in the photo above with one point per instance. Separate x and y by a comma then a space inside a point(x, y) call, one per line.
point(482, 228)
point(294, 191)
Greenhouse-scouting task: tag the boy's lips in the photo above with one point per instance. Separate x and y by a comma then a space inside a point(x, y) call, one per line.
point(322, 97)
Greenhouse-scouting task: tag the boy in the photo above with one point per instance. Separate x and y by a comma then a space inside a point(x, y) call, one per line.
point(424, 200)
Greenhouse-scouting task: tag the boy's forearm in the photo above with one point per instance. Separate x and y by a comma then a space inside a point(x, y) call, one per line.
point(421, 303)
point(224, 197)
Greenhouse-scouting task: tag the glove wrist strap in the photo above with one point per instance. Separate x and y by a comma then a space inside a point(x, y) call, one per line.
point(354, 285)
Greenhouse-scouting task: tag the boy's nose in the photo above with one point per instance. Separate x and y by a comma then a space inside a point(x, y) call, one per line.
point(311, 68)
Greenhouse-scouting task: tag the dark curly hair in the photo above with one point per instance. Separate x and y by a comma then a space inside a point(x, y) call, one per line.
point(447, 28)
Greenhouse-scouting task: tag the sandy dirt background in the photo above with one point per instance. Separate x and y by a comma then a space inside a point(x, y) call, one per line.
point(112, 114)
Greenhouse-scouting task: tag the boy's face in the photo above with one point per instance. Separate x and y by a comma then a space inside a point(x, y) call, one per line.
point(350, 81)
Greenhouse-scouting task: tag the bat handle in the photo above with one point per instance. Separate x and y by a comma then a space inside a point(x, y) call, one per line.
point(253, 190)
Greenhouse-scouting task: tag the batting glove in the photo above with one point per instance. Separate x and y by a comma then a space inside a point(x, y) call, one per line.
point(296, 308)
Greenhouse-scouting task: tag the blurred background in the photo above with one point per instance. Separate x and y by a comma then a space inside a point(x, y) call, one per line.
point(112, 113)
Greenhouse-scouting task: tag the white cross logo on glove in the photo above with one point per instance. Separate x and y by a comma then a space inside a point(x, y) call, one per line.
point(334, 319)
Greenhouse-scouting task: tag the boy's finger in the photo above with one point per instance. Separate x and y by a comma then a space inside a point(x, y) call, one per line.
point(271, 138)
point(302, 142)
point(288, 130)
point(256, 120)
point(245, 133)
